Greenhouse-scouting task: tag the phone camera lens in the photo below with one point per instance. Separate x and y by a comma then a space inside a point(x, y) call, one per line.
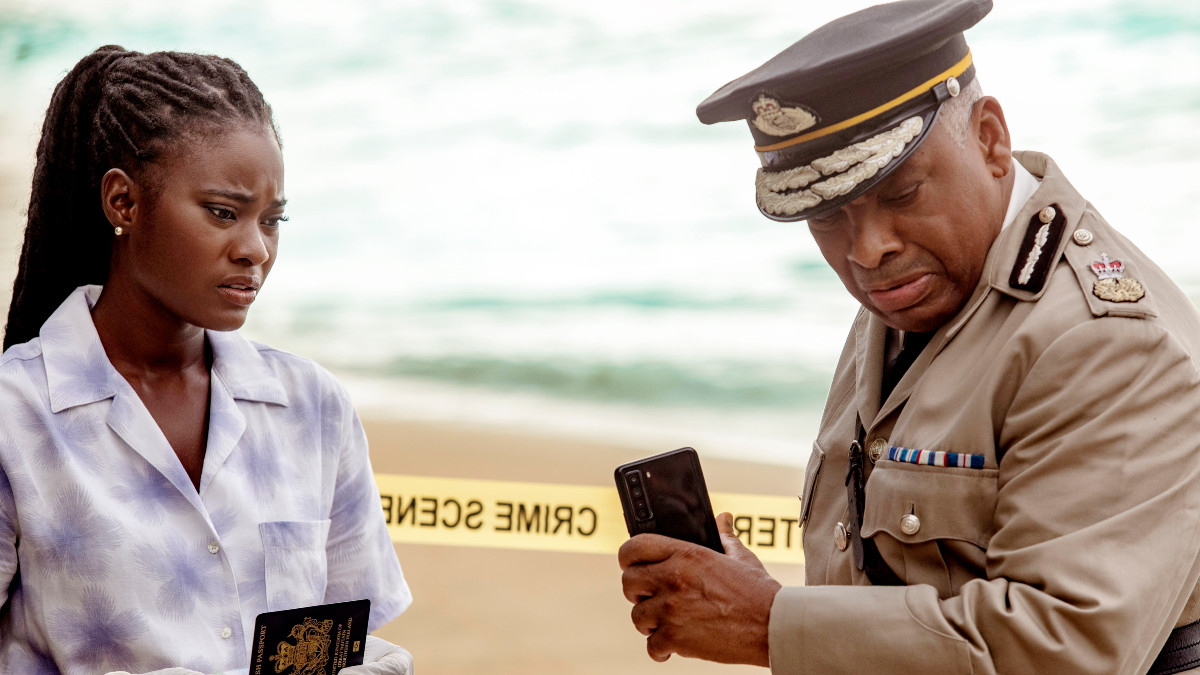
point(643, 514)
point(636, 492)
point(640, 504)
point(633, 478)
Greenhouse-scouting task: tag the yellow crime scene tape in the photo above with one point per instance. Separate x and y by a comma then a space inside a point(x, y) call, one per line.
point(557, 517)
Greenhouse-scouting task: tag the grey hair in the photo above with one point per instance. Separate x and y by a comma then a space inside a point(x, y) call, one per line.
point(956, 113)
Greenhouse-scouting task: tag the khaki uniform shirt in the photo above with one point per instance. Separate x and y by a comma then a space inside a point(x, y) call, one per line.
point(1074, 549)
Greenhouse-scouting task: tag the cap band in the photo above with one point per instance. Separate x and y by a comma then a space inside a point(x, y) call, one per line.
point(953, 71)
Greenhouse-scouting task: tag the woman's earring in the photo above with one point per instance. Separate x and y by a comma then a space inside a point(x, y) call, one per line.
point(118, 230)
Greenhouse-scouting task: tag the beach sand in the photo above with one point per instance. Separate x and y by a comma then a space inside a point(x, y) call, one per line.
point(481, 610)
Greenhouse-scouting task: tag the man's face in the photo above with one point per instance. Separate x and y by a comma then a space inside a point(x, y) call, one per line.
point(912, 248)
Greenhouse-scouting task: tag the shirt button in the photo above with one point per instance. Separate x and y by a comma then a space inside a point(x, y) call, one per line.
point(1047, 214)
point(1082, 237)
point(839, 536)
point(226, 633)
point(213, 547)
point(878, 446)
point(910, 524)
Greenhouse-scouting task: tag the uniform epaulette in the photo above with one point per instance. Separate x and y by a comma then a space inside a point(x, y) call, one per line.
point(1107, 274)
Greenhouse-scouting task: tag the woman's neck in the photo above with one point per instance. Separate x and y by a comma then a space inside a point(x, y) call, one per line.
point(140, 335)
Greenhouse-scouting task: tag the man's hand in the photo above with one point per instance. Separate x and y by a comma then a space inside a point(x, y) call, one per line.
point(692, 601)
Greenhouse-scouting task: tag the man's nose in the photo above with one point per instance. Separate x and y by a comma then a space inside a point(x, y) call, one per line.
point(874, 238)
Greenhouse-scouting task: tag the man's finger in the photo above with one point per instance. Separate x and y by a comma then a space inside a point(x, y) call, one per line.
point(725, 523)
point(638, 583)
point(658, 644)
point(729, 539)
point(647, 548)
point(647, 615)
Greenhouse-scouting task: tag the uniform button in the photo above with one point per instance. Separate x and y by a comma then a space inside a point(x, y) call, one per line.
point(1047, 214)
point(226, 633)
point(1082, 237)
point(840, 537)
point(910, 524)
point(878, 446)
point(213, 547)
point(953, 87)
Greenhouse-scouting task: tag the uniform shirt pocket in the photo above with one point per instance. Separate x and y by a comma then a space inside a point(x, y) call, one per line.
point(295, 562)
point(932, 524)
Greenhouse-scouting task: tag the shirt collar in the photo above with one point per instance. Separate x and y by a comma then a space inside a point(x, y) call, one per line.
point(78, 371)
point(1024, 185)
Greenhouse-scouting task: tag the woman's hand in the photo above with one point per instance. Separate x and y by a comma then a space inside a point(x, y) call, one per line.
point(382, 658)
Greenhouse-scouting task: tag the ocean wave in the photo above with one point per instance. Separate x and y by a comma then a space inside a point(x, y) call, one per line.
point(725, 385)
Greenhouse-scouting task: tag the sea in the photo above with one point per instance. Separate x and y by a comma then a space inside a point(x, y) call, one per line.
point(505, 212)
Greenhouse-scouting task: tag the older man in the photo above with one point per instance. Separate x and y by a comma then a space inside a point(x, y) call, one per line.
point(1007, 474)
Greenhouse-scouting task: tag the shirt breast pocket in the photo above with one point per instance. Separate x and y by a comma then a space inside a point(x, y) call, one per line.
point(296, 566)
point(931, 524)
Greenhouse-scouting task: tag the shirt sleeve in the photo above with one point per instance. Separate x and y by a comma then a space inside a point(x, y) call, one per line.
point(1097, 531)
point(8, 538)
point(362, 562)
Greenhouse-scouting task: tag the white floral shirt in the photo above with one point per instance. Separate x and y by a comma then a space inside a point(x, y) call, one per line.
point(111, 559)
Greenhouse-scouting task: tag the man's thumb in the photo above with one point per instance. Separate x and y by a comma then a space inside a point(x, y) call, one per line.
point(729, 539)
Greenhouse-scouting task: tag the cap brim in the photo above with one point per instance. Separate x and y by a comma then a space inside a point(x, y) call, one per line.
point(826, 205)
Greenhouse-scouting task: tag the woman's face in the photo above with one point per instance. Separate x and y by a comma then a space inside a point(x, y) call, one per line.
point(204, 241)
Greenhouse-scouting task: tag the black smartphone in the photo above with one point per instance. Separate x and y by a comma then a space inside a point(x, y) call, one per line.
point(665, 494)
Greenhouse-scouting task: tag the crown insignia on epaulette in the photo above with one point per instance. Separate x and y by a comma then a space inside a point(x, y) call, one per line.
point(1108, 269)
point(1112, 285)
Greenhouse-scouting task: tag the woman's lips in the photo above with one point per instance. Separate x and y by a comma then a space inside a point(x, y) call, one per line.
point(901, 296)
point(238, 296)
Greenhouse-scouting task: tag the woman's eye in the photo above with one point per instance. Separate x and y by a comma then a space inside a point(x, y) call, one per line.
point(222, 212)
point(274, 221)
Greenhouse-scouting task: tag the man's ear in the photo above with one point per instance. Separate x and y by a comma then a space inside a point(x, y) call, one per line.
point(991, 132)
point(119, 196)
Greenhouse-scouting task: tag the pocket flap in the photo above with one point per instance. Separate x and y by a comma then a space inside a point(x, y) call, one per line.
point(294, 534)
point(913, 503)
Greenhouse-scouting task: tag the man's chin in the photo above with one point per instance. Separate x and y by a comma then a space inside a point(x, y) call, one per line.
point(915, 319)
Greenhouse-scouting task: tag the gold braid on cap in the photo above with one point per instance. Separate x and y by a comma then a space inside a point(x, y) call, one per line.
point(781, 192)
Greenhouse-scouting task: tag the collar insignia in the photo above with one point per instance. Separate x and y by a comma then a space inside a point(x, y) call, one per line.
point(1037, 253)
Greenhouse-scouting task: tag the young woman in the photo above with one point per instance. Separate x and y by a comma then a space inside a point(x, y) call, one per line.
point(162, 479)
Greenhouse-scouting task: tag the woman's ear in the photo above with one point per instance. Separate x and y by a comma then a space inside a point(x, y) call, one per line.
point(992, 134)
point(119, 198)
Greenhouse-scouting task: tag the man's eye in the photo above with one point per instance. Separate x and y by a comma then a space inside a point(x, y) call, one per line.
point(906, 195)
point(274, 221)
point(823, 224)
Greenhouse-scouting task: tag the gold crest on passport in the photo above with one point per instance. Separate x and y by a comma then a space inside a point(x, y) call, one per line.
point(317, 640)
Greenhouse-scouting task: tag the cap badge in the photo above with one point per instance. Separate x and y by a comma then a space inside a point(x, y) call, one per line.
point(770, 117)
point(1112, 285)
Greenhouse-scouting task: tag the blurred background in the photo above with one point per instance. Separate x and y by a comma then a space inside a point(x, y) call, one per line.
point(505, 217)
point(505, 211)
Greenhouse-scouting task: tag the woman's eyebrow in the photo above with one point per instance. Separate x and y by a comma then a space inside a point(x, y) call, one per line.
point(242, 197)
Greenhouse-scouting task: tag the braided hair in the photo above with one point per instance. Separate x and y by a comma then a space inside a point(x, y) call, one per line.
point(114, 109)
